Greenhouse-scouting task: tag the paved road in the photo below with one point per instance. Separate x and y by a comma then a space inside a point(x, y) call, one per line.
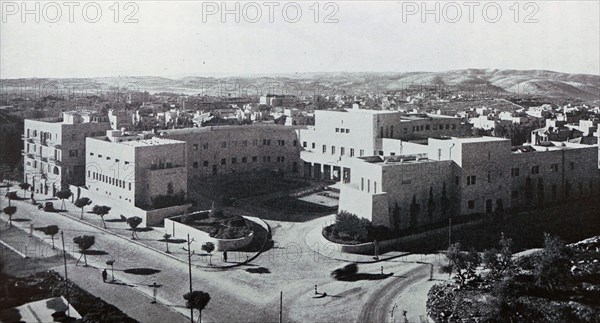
point(376, 308)
point(245, 294)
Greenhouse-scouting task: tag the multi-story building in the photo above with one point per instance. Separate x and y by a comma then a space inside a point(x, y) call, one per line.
point(54, 149)
point(136, 168)
point(461, 176)
point(236, 149)
point(361, 132)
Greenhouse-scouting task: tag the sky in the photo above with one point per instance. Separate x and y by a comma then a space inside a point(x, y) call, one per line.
point(193, 38)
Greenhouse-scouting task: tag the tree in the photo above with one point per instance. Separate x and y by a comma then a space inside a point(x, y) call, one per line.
point(197, 300)
point(396, 216)
point(552, 266)
point(10, 210)
point(499, 261)
point(25, 187)
point(81, 203)
point(64, 194)
point(166, 236)
point(414, 211)
point(84, 243)
point(430, 205)
point(11, 196)
point(463, 264)
point(133, 223)
point(102, 211)
point(51, 230)
point(209, 247)
point(444, 201)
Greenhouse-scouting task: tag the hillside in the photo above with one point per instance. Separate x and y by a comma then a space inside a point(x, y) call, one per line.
point(532, 82)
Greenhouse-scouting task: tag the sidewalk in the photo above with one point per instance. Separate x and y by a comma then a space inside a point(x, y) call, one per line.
point(150, 237)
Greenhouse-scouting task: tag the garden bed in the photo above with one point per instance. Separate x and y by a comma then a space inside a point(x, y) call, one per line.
point(220, 226)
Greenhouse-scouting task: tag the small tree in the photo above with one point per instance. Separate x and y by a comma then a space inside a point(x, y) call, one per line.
point(84, 243)
point(51, 230)
point(102, 211)
point(463, 263)
point(197, 300)
point(63, 194)
point(25, 187)
point(552, 266)
point(209, 247)
point(11, 196)
point(133, 223)
point(81, 203)
point(499, 261)
point(166, 236)
point(10, 210)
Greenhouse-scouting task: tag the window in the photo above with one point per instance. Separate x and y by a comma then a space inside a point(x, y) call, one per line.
point(313, 145)
point(254, 159)
point(333, 150)
point(535, 170)
point(107, 158)
point(342, 151)
point(362, 183)
point(351, 152)
point(571, 165)
point(126, 163)
point(295, 143)
point(223, 161)
point(244, 159)
point(471, 180)
point(362, 152)
point(234, 160)
point(91, 154)
point(223, 144)
point(368, 186)
point(514, 172)
point(347, 130)
point(130, 186)
point(205, 146)
point(245, 143)
point(73, 153)
point(169, 188)
point(342, 130)
point(427, 127)
point(324, 148)
point(457, 180)
point(554, 168)
point(337, 129)
point(205, 163)
point(195, 164)
point(304, 144)
point(471, 204)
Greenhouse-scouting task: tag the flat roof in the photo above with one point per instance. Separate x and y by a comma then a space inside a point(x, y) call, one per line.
point(151, 142)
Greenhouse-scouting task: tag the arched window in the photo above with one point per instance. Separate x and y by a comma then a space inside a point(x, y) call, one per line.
point(56, 171)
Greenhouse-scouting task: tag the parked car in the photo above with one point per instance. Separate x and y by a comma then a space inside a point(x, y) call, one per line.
point(348, 270)
point(49, 207)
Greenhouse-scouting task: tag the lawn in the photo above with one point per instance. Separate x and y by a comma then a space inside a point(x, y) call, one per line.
point(294, 210)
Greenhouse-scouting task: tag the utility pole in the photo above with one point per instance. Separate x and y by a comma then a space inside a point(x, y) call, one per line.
point(190, 270)
point(281, 307)
point(62, 236)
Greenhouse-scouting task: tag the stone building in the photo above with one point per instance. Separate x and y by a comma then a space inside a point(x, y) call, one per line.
point(136, 169)
point(54, 149)
point(463, 176)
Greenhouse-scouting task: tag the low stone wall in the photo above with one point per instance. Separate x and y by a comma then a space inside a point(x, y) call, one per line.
point(180, 231)
point(369, 247)
point(126, 209)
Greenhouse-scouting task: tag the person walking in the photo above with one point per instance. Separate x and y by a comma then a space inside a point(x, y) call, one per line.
point(104, 275)
point(225, 255)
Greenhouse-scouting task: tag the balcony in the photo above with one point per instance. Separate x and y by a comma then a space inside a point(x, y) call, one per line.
point(55, 161)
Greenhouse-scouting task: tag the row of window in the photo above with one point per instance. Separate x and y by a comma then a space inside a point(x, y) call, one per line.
point(342, 130)
point(435, 127)
point(368, 186)
point(109, 180)
point(109, 158)
point(244, 143)
point(234, 160)
point(515, 172)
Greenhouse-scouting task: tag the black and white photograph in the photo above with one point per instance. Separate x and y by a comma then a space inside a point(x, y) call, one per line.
point(300, 161)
